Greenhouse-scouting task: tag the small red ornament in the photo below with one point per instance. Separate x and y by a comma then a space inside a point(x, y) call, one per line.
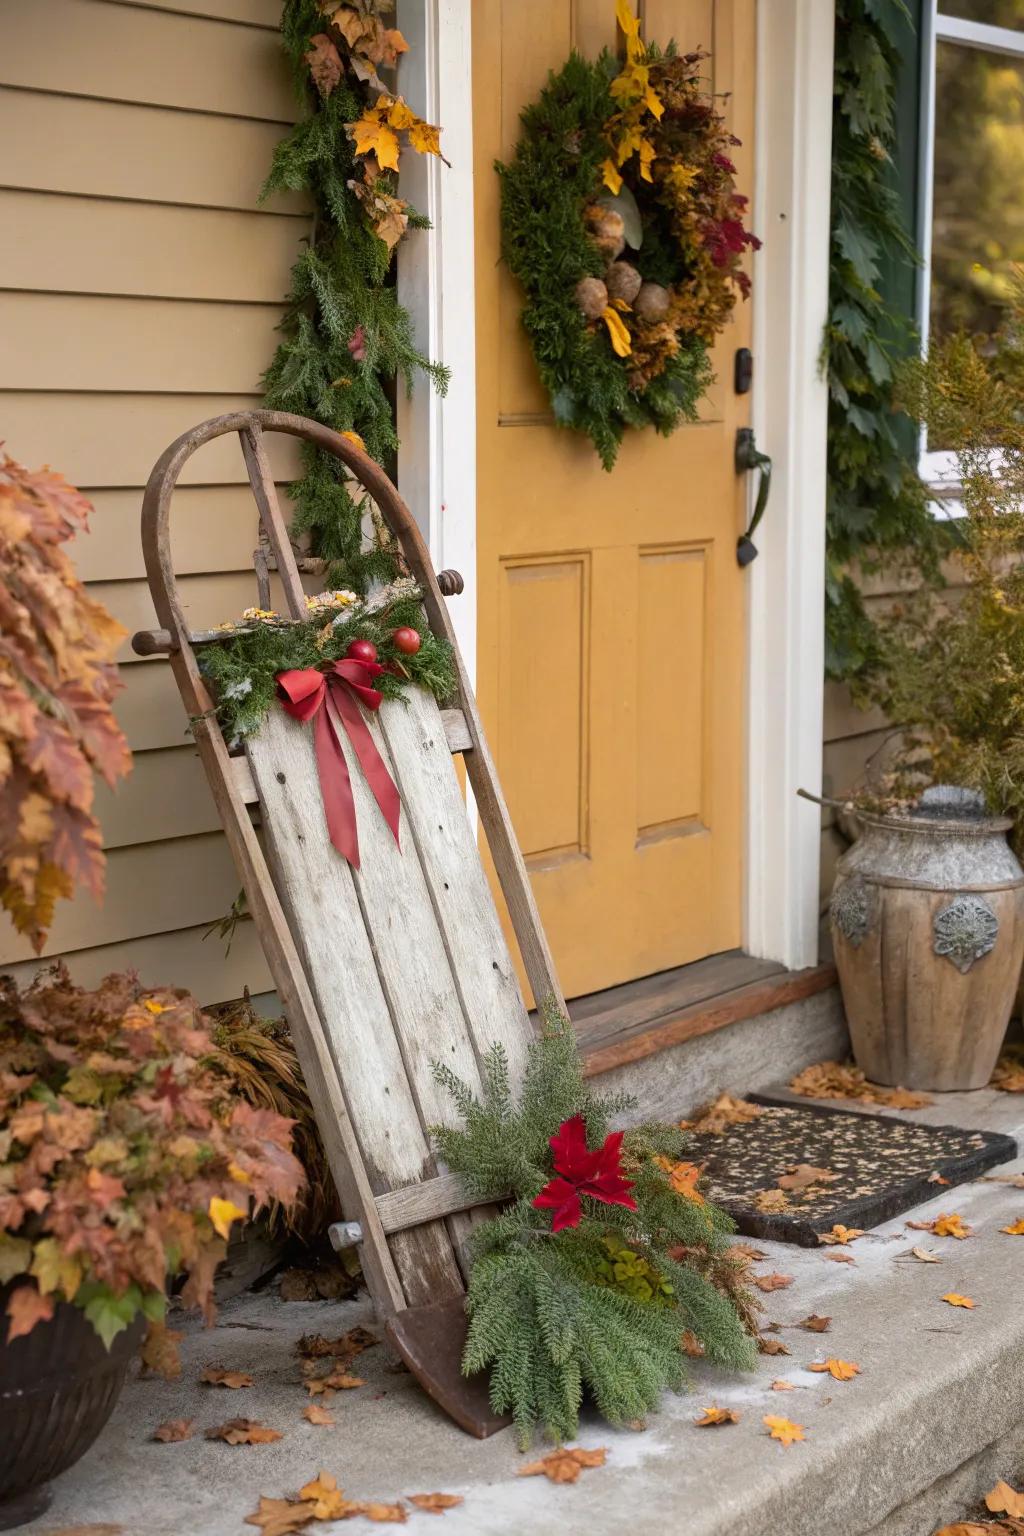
point(406, 640)
point(597, 1174)
point(362, 650)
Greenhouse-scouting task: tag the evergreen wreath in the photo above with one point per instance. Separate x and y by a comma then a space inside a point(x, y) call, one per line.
point(622, 222)
point(346, 338)
point(242, 668)
point(606, 1257)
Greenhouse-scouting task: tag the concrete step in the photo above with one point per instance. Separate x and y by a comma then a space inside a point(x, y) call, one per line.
point(934, 1418)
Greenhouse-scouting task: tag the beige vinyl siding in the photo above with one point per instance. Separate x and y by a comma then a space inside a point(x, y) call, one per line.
point(140, 287)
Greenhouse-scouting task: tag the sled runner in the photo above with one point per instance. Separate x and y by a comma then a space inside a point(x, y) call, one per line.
point(388, 967)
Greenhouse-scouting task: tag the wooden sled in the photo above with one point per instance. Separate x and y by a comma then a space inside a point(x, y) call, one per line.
point(381, 970)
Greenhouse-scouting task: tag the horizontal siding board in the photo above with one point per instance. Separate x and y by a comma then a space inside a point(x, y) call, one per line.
point(57, 244)
point(213, 528)
point(149, 708)
point(151, 888)
point(114, 440)
point(165, 796)
point(109, 149)
point(71, 342)
point(256, 13)
point(208, 601)
point(181, 959)
point(845, 718)
point(130, 53)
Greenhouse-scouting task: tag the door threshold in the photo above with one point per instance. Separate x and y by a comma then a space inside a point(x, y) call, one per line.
point(640, 1018)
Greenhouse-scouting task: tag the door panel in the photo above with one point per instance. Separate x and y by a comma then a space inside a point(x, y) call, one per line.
point(611, 608)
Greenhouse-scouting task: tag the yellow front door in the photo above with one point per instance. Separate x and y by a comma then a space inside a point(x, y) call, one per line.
point(611, 606)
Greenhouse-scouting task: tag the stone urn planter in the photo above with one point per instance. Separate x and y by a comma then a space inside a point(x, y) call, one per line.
point(927, 918)
point(58, 1387)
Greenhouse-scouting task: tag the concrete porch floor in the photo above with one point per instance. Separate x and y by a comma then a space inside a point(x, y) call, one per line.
point(936, 1415)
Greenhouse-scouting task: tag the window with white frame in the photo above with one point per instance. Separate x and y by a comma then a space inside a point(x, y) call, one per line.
point(972, 182)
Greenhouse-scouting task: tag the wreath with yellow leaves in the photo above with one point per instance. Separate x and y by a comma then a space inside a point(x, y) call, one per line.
point(622, 221)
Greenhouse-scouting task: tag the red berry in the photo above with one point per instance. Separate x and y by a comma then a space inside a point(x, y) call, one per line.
point(406, 640)
point(362, 650)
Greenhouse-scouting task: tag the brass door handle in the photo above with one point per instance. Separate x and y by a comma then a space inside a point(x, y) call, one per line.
point(747, 457)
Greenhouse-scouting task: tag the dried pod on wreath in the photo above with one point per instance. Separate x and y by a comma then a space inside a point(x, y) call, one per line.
point(591, 297)
point(622, 281)
point(652, 302)
point(607, 229)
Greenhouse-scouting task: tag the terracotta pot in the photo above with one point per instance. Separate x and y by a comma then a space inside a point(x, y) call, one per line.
point(927, 917)
point(58, 1388)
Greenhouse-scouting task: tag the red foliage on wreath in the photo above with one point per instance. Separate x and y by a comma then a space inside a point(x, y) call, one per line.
point(582, 1172)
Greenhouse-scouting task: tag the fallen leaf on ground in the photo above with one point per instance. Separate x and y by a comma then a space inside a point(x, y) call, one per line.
point(840, 1258)
point(434, 1503)
point(803, 1175)
point(341, 1381)
point(278, 1517)
point(384, 1514)
point(725, 1111)
point(213, 1376)
point(160, 1352)
point(772, 1346)
point(1008, 1074)
point(314, 1346)
point(1015, 1229)
point(834, 1080)
point(565, 1464)
point(87, 1530)
point(969, 1528)
point(841, 1370)
point(956, 1300)
point(1004, 1500)
point(936, 1178)
point(691, 1345)
point(318, 1415)
point(771, 1202)
point(926, 1256)
point(747, 1251)
point(815, 1324)
point(243, 1432)
point(783, 1386)
point(951, 1226)
point(840, 1234)
point(783, 1429)
point(716, 1415)
point(326, 1501)
point(1016, 1179)
point(172, 1430)
point(772, 1282)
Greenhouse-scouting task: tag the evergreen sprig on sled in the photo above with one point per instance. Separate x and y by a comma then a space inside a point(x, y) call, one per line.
point(588, 1280)
point(622, 222)
point(345, 336)
point(242, 669)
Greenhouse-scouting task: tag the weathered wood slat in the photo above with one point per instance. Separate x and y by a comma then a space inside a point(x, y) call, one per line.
point(274, 525)
point(320, 897)
point(444, 1195)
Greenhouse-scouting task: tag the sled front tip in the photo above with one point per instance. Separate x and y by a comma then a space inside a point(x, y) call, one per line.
point(431, 1340)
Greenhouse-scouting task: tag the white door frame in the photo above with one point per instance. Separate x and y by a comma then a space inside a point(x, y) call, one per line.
point(437, 462)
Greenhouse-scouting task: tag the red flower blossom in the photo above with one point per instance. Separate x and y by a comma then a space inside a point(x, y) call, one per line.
point(597, 1174)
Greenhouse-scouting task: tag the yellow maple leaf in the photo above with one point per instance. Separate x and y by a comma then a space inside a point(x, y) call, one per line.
point(682, 1177)
point(611, 177)
point(353, 437)
point(653, 102)
point(840, 1234)
point(222, 1213)
point(783, 1429)
point(618, 334)
point(373, 137)
point(647, 153)
point(425, 138)
point(840, 1370)
point(54, 1270)
point(1016, 1229)
point(399, 114)
point(950, 1226)
point(629, 26)
point(956, 1300)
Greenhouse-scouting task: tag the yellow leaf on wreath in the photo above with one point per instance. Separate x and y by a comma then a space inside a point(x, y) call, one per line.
point(424, 138)
point(372, 137)
point(222, 1213)
point(611, 177)
point(399, 114)
point(353, 437)
point(653, 103)
point(617, 332)
point(647, 153)
point(629, 25)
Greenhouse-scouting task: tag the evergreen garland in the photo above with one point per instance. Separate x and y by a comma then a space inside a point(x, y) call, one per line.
point(346, 338)
point(877, 504)
point(622, 178)
point(243, 667)
point(599, 1307)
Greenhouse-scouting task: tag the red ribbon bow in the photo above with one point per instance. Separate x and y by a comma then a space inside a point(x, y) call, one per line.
point(330, 698)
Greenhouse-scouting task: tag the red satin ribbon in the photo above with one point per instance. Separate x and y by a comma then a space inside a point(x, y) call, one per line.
point(331, 699)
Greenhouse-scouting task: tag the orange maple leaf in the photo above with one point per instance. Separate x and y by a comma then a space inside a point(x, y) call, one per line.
point(1016, 1229)
point(1004, 1500)
point(324, 62)
point(956, 1300)
point(318, 1415)
point(244, 1432)
point(840, 1234)
point(841, 1370)
point(213, 1376)
point(565, 1464)
point(434, 1503)
point(716, 1415)
point(783, 1429)
point(772, 1282)
point(682, 1177)
point(25, 1308)
point(950, 1226)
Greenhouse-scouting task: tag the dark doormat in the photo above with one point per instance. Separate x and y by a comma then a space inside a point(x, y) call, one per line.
point(882, 1166)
